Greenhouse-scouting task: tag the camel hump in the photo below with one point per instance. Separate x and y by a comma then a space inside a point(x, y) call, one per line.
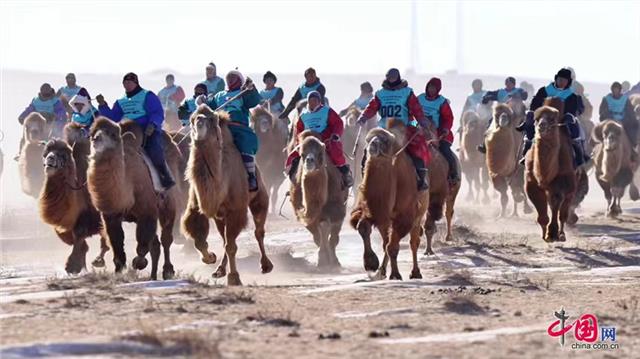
point(104, 124)
point(555, 102)
point(308, 134)
point(34, 117)
point(469, 117)
point(500, 108)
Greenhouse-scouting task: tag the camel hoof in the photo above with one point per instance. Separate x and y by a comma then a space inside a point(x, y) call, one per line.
point(548, 239)
point(633, 193)
point(429, 252)
point(572, 220)
point(415, 274)
point(210, 258)
point(119, 266)
point(73, 267)
point(395, 276)
point(139, 263)
point(561, 238)
point(220, 272)
point(266, 265)
point(98, 262)
point(380, 275)
point(168, 272)
point(371, 262)
point(234, 279)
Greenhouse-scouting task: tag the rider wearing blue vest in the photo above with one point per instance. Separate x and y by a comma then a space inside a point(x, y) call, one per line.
point(475, 99)
point(145, 109)
point(71, 89)
point(366, 94)
point(213, 82)
point(312, 83)
point(561, 88)
point(190, 105)
point(171, 95)
point(436, 108)
point(271, 94)
point(617, 106)
point(83, 112)
point(243, 136)
point(505, 93)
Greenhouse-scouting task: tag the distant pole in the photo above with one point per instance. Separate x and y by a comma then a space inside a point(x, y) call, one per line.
point(414, 59)
point(459, 37)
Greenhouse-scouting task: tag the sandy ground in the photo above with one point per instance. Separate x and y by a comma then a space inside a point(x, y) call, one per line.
point(491, 293)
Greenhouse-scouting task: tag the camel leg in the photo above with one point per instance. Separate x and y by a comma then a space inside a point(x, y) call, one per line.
point(145, 235)
point(113, 225)
point(370, 259)
point(449, 211)
point(274, 199)
point(382, 271)
point(553, 227)
point(259, 207)
point(196, 225)
point(323, 251)
point(415, 245)
point(565, 207)
point(104, 248)
point(526, 207)
point(221, 271)
point(539, 200)
point(154, 250)
point(470, 194)
point(392, 249)
point(234, 223)
point(334, 239)
point(167, 219)
point(634, 194)
point(484, 176)
point(430, 229)
point(500, 185)
point(76, 261)
point(514, 213)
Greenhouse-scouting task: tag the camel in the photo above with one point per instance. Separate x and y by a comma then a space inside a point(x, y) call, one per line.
point(121, 187)
point(182, 140)
point(614, 167)
point(271, 156)
point(550, 175)
point(219, 190)
point(64, 201)
point(349, 141)
point(503, 145)
point(319, 198)
point(388, 199)
point(472, 161)
point(171, 121)
point(30, 160)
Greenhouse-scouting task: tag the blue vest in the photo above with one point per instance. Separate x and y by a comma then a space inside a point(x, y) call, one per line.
point(304, 89)
point(191, 105)
point(268, 95)
point(133, 107)
point(315, 121)
point(475, 99)
point(86, 119)
point(164, 95)
point(553, 91)
point(616, 106)
point(69, 92)
point(503, 94)
point(46, 106)
point(233, 106)
point(361, 103)
point(393, 103)
point(431, 108)
point(212, 85)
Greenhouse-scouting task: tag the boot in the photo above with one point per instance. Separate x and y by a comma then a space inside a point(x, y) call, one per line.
point(166, 179)
point(253, 182)
point(525, 149)
point(250, 166)
point(423, 179)
point(293, 170)
point(347, 178)
point(580, 157)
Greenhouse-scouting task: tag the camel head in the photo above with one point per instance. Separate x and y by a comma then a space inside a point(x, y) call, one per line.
point(547, 120)
point(610, 133)
point(380, 143)
point(205, 124)
point(262, 120)
point(517, 105)
point(105, 136)
point(470, 121)
point(34, 128)
point(312, 152)
point(503, 116)
point(75, 133)
point(353, 113)
point(58, 158)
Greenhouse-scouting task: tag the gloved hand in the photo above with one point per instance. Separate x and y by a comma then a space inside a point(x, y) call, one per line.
point(248, 84)
point(148, 131)
point(335, 137)
point(101, 100)
point(485, 100)
point(201, 99)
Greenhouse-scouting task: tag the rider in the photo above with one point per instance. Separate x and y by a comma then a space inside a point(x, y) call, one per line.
point(271, 94)
point(617, 106)
point(475, 99)
point(72, 89)
point(324, 121)
point(396, 100)
point(143, 107)
point(213, 82)
point(505, 93)
point(366, 94)
point(436, 108)
point(243, 136)
point(191, 104)
point(171, 95)
point(83, 112)
point(560, 88)
point(312, 83)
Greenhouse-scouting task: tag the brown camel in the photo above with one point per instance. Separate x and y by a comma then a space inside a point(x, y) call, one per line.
point(34, 133)
point(271, 157)
point(550, 175)
point(503, 144)
point(121, 187)
point(318, 198)
point(219, 191)
point(183, 142)
point(388, 199)
point(472, 161)
point(349, 140)
point(64, 201)
point(613, 161)
point(171, 121)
